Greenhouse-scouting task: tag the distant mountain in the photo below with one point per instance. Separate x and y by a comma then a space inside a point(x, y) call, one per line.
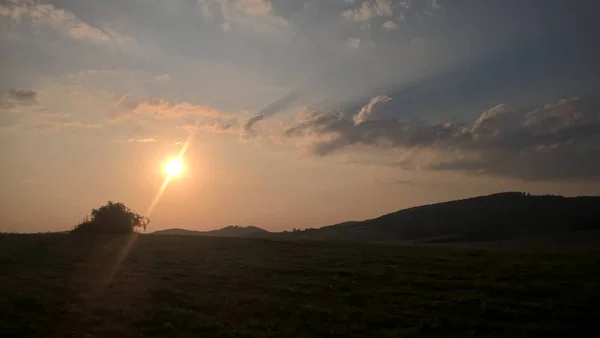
point(229, 231)
point(499, 217)
point(239, 231)
point(177, 231)
point(496, 217)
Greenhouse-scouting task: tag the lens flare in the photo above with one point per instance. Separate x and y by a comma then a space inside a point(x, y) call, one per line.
point(174, 167)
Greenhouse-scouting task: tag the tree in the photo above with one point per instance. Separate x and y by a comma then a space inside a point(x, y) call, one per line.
point(112, 218)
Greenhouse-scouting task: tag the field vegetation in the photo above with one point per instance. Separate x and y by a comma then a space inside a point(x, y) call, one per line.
point(65, 285)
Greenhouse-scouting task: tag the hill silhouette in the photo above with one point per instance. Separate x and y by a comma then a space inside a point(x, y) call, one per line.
point(495, 217)
point(229, 231)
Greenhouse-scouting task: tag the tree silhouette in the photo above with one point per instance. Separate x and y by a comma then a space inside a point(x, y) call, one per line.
point(112, 218)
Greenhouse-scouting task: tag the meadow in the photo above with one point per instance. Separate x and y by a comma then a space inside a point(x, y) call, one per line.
point(61, 285)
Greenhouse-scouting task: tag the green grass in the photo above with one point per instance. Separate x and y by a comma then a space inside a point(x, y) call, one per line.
point(74, 286)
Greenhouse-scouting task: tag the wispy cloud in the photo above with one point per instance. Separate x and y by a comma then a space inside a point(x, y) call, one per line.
point(61, 21)
point(19, 108)
point(48, 121)
point(142, 140)
point(215, 126)
point(247, 131)
point(389, 25)
point(257, 15)
point(354, 43)
point(161, 108)
point(163, 78)
point(369, 10)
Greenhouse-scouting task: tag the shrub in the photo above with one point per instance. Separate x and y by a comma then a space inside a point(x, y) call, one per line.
point(112, 218)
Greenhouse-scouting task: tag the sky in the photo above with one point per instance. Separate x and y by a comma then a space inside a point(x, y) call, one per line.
point(297, 113)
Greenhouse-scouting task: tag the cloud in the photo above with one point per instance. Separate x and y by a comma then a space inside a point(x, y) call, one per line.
point(389, 25)
point(48, 121)
point(217, 126)
point(559, 141)
point(142, 140)
point(246, 131)
point(354, 43)
point(163, 78)
point(61, 21)
point(280, 105)
point(24, 95)
point(257, 15)
point(363, 13)
point(331, 132)
point(214, 126)
point(16, 97)
point(373, 110)
point(369, 10)
point(161, 108)
point(553, 116)
point(435, 5)
point(253, 7)
point(19, 108)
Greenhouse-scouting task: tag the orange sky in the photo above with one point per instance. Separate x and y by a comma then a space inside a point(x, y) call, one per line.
point(302, 114)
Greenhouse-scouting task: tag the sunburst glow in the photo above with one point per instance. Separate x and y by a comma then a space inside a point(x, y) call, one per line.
point(173, 167)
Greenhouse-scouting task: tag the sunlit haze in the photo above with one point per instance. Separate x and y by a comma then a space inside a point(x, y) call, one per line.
point(292, 113)
point(174, 167)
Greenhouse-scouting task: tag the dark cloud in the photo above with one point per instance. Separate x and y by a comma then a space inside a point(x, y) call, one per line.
point(246, 131)
point(333, 131)
point(25, 95)
point(16, 97)
point(559, 162)
point(559, 141)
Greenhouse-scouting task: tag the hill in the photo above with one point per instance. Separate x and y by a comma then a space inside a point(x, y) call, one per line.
point(229, 231)
point(502, 216)
point(498, 217)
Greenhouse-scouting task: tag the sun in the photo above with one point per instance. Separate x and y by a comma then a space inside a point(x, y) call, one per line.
point(173, 167)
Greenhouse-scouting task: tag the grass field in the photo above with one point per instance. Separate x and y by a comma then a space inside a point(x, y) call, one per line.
point(170, 286)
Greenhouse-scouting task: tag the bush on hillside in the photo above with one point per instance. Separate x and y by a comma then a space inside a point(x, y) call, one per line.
point(114, 218)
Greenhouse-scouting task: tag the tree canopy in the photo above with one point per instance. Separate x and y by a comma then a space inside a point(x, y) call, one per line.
point(113, 217)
